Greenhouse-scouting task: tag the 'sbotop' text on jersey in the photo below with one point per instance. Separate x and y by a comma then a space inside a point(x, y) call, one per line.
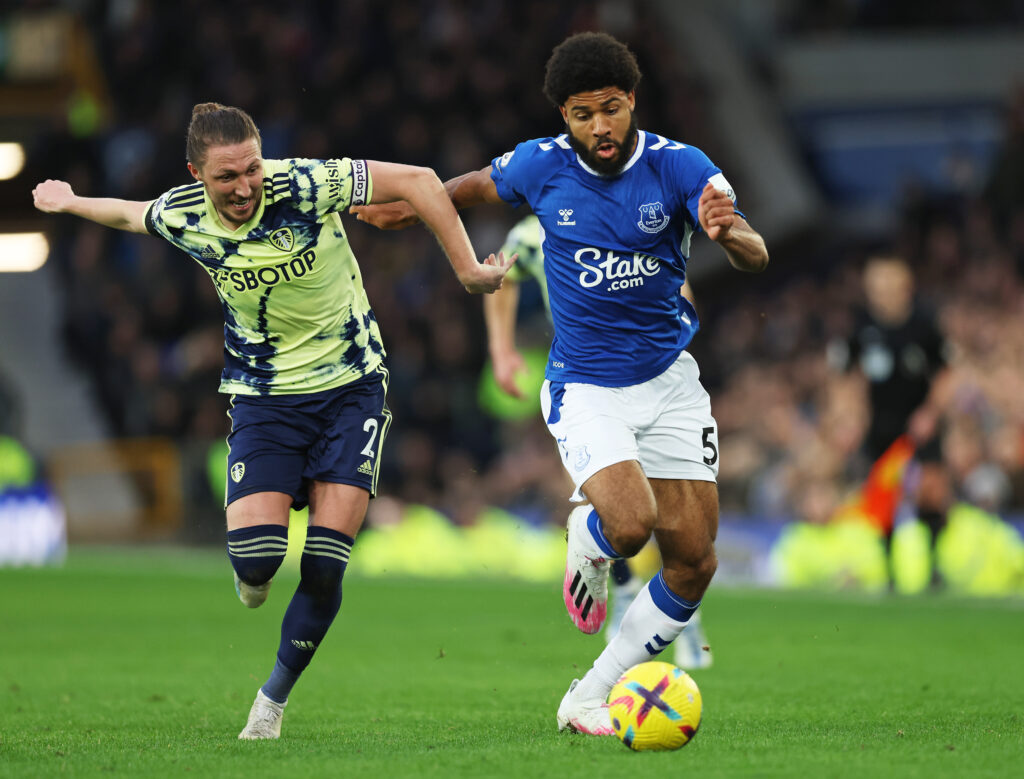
point(296, 315)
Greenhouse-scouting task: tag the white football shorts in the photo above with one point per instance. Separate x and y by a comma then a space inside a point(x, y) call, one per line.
point(665, 423)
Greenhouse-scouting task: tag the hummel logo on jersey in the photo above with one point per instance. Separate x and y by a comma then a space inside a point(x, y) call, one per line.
point(306, 646)
point(237, 472)
point(282, 239)
point(209, 253)
point(565, 213)
point(366, 468)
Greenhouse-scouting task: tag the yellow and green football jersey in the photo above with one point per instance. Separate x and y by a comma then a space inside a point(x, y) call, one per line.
point(526, 239)
point(296, 316)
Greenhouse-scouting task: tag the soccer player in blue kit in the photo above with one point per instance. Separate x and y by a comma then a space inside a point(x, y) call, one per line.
point(304, 362)
point(619, 207)
point(691, 649)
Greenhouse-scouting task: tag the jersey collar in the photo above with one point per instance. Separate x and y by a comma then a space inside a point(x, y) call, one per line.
point(640, 140)
point(243, 229)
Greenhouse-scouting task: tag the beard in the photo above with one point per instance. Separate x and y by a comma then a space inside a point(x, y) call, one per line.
point(606, 167)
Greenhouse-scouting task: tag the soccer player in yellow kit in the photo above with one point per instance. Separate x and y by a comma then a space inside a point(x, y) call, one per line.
point(303, 354)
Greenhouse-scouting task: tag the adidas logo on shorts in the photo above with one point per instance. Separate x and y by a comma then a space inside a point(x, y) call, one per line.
point(366, 469)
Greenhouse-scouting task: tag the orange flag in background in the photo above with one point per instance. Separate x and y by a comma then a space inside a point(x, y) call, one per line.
point(883, 489)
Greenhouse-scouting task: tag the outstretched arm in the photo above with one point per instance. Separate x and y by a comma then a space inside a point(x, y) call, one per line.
point(422, 192)
point(57, 197)
point(469, 189)
point(500, 318)
point(472, 189)
point(743, 245)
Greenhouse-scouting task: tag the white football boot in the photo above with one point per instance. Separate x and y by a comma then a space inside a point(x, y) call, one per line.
point(585, 587)
point(691, 650)
point(264, 719)
point(252, 596)
point(579, 716)
point(622, 596)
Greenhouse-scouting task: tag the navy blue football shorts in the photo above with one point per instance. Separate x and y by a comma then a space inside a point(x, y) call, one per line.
point(279, 443)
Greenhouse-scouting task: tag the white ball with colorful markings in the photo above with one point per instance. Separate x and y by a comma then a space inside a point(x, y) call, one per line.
point(655, 706)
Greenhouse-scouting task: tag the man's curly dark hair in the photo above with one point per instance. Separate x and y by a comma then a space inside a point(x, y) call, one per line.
point(587, 61)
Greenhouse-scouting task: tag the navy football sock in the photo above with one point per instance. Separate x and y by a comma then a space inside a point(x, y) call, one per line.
point(620, 571)
point(280, 683)
point(312, 609)
point(257, 552)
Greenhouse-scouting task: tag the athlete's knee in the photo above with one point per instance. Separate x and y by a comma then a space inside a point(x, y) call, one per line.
point(324, 560)
point(257, 552)
point(706, 566)
point(321, 578)
point(693, 570)
point(629, 531)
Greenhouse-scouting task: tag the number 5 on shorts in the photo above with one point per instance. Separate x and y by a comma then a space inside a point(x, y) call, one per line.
point(709, 444)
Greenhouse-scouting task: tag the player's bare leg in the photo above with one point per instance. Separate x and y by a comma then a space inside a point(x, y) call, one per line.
point(624, 500)
point(617, 523)
point(686, 530)
point(336, 514)
point(257, 542)
point(690, 649)
point(685, 525)
point(690, 561)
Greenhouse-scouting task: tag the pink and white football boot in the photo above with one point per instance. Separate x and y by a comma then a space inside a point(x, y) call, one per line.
point(585, 588)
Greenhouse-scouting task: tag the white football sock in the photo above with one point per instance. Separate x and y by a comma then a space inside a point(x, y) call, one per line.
point(584, 538)
point(644, 625)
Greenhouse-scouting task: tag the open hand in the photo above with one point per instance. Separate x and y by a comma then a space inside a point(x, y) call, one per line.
point(488, 275)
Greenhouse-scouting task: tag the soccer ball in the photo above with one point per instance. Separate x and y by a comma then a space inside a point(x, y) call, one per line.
point(655, 706)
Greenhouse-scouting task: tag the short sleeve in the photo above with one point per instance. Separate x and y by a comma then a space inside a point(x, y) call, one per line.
point(696, 171)
point(504, 170)
point(168, 215)
point(520, 174)
point(329, 185)
point(152, 214)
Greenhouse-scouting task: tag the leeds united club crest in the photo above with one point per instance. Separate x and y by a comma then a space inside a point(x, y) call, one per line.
point(653, 218)
point(282, 239)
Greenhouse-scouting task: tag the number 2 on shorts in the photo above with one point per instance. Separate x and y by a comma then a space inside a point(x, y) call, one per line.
point(370, 426)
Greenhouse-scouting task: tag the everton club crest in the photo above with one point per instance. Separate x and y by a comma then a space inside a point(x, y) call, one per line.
point(653, 218)
point(581, 457)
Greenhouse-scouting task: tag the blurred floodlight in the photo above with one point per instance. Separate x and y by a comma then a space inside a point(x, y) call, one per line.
point(22, 252)
point(12, 160)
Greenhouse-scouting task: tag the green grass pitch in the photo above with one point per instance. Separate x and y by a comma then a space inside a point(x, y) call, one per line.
point(143, 663)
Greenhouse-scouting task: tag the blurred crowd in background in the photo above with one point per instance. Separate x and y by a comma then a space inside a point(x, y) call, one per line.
point(452, 85)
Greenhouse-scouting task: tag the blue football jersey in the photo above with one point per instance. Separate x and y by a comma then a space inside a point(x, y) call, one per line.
point(615, 250)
